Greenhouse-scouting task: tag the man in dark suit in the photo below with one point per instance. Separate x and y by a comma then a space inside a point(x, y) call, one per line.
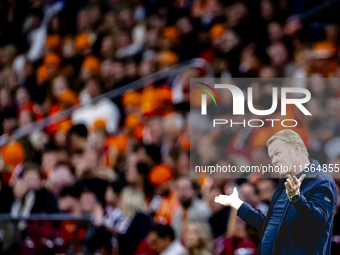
point(301, 211)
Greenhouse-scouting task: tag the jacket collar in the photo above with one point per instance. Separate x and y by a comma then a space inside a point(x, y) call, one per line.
point(309, 172)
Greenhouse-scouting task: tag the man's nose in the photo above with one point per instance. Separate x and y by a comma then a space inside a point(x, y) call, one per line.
point(275, 160)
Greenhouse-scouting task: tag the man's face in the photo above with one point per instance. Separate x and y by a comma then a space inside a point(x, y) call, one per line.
point(9, 124)
point(156, 243)
point(93, 88)
point(87, 201)
point(49, 159)
point(185, 192)
point(67, 204)
point(131, 173)
point(61, 176)
point(282, 156)
point(156, 130)
point(32, 180)
point(110, 196)
point(19, 188)
point(76, 141)
point(278, 54)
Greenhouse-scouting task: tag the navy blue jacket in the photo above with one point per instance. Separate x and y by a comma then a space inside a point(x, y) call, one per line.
point(306, 225)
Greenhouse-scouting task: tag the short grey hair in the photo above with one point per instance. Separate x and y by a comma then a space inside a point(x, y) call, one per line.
point(290, 137)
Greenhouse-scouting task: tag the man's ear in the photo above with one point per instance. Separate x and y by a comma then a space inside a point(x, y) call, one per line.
point(297, 150)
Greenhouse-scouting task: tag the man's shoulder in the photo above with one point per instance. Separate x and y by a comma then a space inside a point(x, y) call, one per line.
point(321, 182)
point(320, 179)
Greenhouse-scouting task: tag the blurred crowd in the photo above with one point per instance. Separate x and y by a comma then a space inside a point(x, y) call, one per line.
point(124, 162)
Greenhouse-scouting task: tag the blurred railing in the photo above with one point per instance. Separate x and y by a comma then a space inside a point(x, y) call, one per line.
point(170, 72)
point(44, 234)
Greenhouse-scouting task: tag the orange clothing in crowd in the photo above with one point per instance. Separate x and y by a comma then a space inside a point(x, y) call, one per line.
point(82, 41)
point(217, 30)
point(108, 156)
point(131, 97)
point(150, 102)
point(52, 59)
point(138, 132)
point(13, 154)
point(92, 64)
point(69, 97)
point(68, 229)
point(166, 209)
point(185, 141)
point(168, 57)
point(119, 141)
point(64, 124)
point(155, 101)
point(30, 106)
point(114, 145)
point(53, 128)
point(171, 33)
point(53, 42)
point(160, 174)
point(201, 7)
point(131, 122)
point(42, 73)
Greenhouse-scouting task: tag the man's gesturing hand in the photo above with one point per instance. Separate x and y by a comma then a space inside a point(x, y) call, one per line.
point(232, 200)
point(293, 185)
